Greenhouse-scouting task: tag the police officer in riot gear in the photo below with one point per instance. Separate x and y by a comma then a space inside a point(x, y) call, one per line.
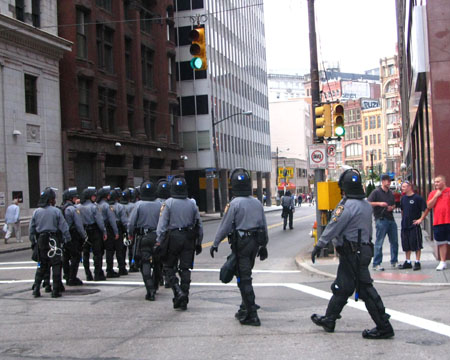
point(45, 223)
point(143, 223)
point(122, 223)
point(96, 231)
point(128, 200)
point(72, 251)
point(245, 220)
point(350, 229)
point(110, 220)
point(162, 194)
point(287, 202)
point(180, 234)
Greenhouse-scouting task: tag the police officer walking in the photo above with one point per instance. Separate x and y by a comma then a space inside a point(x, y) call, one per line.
point(122, 223)
point(143, 223)
point(128, 200)
point(162, 194)
point(110, 220)
point(180, 234)
point(96, 231)
point(350, 229)
point(46, 243)
point(72, 251)
point(287, 202)
point(244, 218)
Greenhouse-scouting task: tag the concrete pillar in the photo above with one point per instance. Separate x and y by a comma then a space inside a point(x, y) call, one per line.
point(210, 205)
point(267, 177)
point(259, 188)
point(223, 178)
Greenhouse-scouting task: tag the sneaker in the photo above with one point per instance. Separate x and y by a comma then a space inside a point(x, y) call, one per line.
point(417, 266)
point(406, 265)
point(442, 265)
point(378, 268)
point(394, 265)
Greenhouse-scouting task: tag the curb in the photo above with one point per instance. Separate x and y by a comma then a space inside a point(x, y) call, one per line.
point(300, 262)
point(6, 251)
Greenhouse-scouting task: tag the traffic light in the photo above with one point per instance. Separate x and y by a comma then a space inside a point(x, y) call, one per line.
point(323, 121)
point(338, 120)
point(198, 49)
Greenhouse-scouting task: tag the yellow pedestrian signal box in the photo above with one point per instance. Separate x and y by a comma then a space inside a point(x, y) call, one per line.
point(328, 195)
point(323, 121)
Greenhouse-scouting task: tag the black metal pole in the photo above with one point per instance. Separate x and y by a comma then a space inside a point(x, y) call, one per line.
point(276, 192)
point(216, 163)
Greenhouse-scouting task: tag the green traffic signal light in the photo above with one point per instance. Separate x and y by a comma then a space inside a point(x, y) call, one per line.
point(196, 63)
point(339, 131)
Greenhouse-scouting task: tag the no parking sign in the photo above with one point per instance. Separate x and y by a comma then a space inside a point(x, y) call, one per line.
point(317, 156)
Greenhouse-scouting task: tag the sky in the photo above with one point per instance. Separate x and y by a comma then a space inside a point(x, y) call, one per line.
point(353, 33)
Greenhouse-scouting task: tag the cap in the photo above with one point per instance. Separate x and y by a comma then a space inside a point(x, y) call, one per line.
point(385, 177)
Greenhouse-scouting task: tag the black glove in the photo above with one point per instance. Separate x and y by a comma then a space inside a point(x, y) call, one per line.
point(316, 252)
point(198, 249)
point(262, 253)
point(33, 245)
point(212, 249)
point(156, 249)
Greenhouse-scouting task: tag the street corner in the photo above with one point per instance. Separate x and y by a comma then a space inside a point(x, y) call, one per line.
point(323, 266)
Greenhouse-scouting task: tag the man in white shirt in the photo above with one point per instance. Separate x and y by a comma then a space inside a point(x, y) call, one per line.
point(12, 219)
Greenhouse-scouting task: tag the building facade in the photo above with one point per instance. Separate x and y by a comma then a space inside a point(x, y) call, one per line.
point(284, 87)
point(118, 92)
point(30, 134)
point(390, 99)
point(374, 140)
point(234, 83)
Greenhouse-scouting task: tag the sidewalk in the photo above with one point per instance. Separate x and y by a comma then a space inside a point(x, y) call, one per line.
point(216, 216)
point(427, 276)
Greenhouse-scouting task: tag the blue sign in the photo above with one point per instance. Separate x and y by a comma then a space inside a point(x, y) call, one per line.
point(392, 175)
point(169, 177)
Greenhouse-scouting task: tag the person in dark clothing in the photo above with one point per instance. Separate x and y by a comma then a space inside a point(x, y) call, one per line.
point(287, 202)
point(350, 229)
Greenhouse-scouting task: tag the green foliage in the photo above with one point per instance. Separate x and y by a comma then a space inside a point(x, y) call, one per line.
point(369, 189)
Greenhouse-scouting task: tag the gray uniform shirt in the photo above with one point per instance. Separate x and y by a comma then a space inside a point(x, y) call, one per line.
point(90, 214)
point(129, 208)
point(73, 217)
point(108, 215)
point(48, 219)
point(287, 201)
point(176, 214)
point(349, 216)
point(246, 212)
point(121, 214)
point(145, 215)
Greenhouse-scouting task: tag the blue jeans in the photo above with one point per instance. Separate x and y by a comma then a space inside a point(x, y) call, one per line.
point(384, 227)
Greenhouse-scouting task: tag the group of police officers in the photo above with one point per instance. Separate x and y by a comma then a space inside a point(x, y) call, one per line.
point(163, 232)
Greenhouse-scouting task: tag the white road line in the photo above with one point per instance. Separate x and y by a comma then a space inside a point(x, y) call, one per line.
point(432, 326)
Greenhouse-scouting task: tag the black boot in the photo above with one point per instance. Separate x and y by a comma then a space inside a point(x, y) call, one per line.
point(36, 290)
point(241, 314)
point(179, 297)
point(375, 334)
point(251, 318)
point(327, 323)
point(112, 274)
point(48, 287)
point(89, 276)
point(99, 276)
point(150, 296)
point(74, 282)
point(123, 271)
point(150, 290)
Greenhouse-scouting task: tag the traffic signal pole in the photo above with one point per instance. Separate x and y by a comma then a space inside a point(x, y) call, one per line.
point(319, 174)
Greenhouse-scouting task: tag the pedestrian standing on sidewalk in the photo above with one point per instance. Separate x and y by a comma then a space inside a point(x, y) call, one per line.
point(412, 206)
point(397, 198)
point(12, 220)
point(383, 203)
point(439, 201)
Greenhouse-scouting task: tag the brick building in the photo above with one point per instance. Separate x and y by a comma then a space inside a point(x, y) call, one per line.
point(118, 92)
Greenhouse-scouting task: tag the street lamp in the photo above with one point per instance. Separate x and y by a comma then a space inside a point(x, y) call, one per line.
point(216, 155)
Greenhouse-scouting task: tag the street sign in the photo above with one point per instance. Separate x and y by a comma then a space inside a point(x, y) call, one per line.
point(317, 156)
point(331, 150)
point(331, 162)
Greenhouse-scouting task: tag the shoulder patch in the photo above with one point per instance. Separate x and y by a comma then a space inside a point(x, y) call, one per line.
point(226, 208)
point(338, 212)
point(163, 205)
point(77, 211)
point(111, 208)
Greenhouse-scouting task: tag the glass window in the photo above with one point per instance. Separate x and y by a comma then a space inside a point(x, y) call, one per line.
point(105, 39)
point(379, 138)
point(30, 94)
point(378, 121)
point(83, 98)
point(107, 109)
point(203, 139)
point(379, 154)
point(146, 21)
point(36, 12)
point(150, 119)
point(147, 66)
point(366, 123)
point(20, 10)
point(372, 122)
point(82, 34)
point(366, 140)
point(105, 4)
point(128, 63)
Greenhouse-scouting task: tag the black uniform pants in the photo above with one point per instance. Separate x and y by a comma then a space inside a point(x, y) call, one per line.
point(95, 242)
point(288, 213)
point(72, 255)
point(180, 258)
point(46, 263)
point(114, 246)
point(350, 269)
point(146, 261)
point(247, 248)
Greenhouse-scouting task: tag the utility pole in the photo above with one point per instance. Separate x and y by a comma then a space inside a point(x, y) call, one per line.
point(319, 174)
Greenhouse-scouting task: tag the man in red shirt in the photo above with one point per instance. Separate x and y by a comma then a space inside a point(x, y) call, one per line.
point(439, 201)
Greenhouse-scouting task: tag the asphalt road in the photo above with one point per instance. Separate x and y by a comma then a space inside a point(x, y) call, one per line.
point(111, 320)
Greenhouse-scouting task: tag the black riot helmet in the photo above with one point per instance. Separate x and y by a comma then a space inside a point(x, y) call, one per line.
point(178, 188)
point(351, 184)
point(148, 191)
point(241, 183)
point(125, 196)
point(88, 193)
point(163, 189)
point(103, 193)
point(48, 197)
point(70, 193)
point(115, 195)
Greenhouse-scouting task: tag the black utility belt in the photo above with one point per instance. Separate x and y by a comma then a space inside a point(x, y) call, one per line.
point(143, 231)
point(247, 233)
point(183, 229)
point(91, 227)
point(48, 233)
